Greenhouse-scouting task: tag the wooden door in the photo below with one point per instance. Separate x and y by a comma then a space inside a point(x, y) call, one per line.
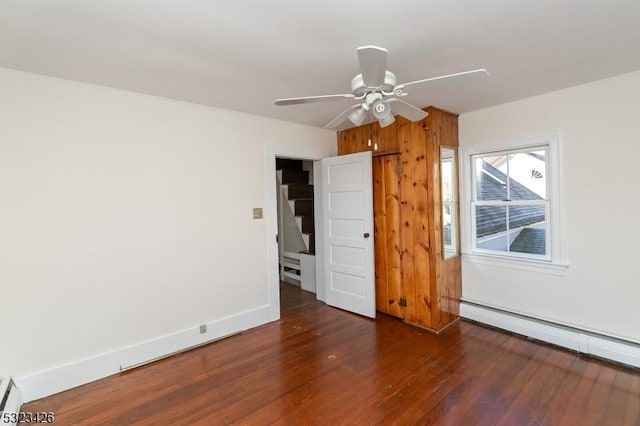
point(386, 208)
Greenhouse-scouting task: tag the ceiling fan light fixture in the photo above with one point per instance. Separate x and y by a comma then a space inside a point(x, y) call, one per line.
point(385, 121)
point(382, 112)
point(380, 109)
point(358, 116)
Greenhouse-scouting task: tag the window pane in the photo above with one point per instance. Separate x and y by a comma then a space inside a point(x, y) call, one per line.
point(448, 191)
point(491, 226)
point(448, 220)
point(527, 229)
point(520, 216)
point(528, 175)
point(447, 180)
point(491, 182)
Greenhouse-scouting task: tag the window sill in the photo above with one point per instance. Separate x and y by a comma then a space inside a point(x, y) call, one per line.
point(518, 264)
point(449, 253)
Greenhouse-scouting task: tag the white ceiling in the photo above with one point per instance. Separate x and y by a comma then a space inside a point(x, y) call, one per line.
point(243, 54)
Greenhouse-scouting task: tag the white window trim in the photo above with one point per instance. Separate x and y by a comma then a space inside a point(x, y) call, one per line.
point(557, 263)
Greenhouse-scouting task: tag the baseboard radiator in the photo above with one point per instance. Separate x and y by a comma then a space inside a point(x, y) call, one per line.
point(10, 403)
point(586, 342)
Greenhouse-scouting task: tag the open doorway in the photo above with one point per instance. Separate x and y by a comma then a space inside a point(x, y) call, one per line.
point(343, 224)
point(296, 232)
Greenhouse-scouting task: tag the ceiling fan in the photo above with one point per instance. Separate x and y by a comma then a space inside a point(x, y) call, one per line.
point(377, 89)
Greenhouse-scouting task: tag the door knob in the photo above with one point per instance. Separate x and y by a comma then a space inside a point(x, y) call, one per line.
point(366, 235)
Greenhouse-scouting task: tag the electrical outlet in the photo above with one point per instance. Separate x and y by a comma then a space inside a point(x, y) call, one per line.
point(203, 328)
point(257, 213)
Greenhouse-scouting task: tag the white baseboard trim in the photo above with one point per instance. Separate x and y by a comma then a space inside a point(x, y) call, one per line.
point(64, 377)
point(586, 342)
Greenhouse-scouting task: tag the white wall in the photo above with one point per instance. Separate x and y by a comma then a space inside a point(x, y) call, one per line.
point(125, 217)
point(599, 124)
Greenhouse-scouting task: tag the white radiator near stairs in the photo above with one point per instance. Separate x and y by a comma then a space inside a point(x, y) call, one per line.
point(10, 403)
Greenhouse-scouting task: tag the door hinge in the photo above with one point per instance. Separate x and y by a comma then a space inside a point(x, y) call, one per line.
point(399, 168)
point(403, 302)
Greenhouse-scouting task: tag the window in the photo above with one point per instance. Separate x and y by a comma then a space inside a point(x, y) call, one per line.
point(512, 204)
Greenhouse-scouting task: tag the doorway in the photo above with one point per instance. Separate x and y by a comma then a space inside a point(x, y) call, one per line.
point(341, 186)
point(296, 232)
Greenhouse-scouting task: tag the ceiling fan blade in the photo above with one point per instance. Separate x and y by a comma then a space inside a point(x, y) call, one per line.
point(311, 99)
point(406, 110)
point(344, 116)
point(442, 77)
point(373, 64)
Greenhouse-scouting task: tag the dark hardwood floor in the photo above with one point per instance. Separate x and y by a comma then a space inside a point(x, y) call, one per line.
point(293, 297)
point(320, 365)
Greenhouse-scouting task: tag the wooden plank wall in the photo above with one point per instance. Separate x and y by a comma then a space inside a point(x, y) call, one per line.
point(386, 206)
point(446, 274)
point(386, 139)
point(416, 263)
point(352, 140)
point(356, 139)
point(406, 218)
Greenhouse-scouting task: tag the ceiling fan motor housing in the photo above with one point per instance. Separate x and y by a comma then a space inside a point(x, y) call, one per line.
point(358, 88)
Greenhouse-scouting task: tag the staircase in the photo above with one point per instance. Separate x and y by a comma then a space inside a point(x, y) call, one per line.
point(296, 228)
point(299, 193)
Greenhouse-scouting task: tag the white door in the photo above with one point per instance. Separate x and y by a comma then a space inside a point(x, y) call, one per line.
point(347, 219)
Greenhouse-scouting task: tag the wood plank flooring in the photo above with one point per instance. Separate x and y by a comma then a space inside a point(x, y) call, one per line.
point(293, 297)
point(320, 365)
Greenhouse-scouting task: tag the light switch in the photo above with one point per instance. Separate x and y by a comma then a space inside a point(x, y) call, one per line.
point(257, 213)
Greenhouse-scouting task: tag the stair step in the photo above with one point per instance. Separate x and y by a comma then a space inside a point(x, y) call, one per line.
point(304, 208)
point(312, 243)
point(298, 191)
point(307, 224)
point(288, 163)
point(295, 176)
